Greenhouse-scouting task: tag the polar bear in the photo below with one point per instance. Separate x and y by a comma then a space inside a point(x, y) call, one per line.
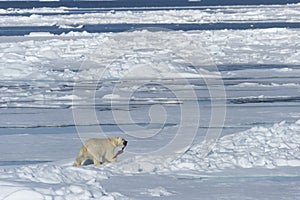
point(97, 149)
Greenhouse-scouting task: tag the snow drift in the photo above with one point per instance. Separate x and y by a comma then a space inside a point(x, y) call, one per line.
point(266, 147)
point(258, 147)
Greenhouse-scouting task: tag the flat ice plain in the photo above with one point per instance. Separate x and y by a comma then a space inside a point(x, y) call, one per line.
point(61, 87)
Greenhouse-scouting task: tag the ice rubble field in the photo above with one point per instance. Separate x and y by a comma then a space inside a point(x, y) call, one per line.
point(258, 151)
point(231, 14)
point(34, 58)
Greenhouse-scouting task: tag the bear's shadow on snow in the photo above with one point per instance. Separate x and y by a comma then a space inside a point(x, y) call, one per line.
point(88, 162)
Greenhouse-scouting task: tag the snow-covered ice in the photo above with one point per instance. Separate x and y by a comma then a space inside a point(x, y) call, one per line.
point(67, 18)
point(49, 82)
point(258, 148)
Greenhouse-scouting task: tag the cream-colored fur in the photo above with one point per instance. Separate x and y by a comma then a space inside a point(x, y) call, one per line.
point(97, 149)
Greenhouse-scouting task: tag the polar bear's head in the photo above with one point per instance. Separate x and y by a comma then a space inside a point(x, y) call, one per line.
point(118, 141)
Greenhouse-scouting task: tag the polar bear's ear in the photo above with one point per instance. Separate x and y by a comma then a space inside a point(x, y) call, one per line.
point(114, 141)
point(120, 141)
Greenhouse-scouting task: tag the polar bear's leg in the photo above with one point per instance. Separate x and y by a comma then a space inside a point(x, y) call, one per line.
point(109, 157)
point(96, 161)
point(109, 160)
point(78, 161)
point(81, 156)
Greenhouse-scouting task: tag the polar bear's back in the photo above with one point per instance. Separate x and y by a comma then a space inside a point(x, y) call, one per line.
point(99, 145)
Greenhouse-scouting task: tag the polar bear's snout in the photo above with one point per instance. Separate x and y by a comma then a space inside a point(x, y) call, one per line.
point(125, 142)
